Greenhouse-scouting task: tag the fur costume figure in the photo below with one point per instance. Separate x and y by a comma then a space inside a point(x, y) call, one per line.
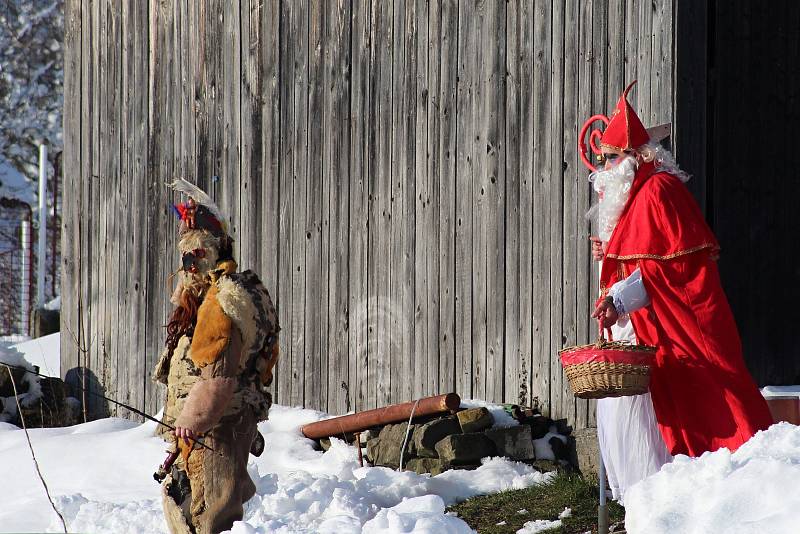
point(222, 344)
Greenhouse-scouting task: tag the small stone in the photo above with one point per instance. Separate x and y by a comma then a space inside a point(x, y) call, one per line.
point(428, 435)
point(475, 420)
point(433, 466)
point(465, 448)
point(513, 442)
point(325, 443)
point(545, 466)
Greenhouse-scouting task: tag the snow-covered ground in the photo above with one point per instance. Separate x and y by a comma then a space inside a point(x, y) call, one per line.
point(101, 476)
point(43, 352)
point(755, 490)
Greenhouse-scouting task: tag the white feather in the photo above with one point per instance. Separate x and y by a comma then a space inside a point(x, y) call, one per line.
point(199, 196)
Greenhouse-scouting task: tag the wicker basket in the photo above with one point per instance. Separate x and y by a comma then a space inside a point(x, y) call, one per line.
point(608, 368)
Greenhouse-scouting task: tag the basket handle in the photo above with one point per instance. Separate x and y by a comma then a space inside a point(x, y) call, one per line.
point(600, 338)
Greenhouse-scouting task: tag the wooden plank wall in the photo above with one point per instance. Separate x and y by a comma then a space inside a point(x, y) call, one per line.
point(402, 173)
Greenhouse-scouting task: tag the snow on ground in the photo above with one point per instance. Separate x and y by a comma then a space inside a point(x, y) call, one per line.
point(100, 474)
point(542, 448)
point(754, 490)
point(30, 389)
point(539, 525)
point(54, 304)
point(43, 352)
point(543, 525)
point(780, 391)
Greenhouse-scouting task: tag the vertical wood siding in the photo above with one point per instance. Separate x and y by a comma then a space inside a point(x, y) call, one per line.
point(401, 173)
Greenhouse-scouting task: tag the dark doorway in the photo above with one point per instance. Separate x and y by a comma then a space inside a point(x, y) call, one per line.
point(738, 75)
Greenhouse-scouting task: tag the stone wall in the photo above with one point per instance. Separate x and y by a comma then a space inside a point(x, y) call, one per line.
point(459, 441)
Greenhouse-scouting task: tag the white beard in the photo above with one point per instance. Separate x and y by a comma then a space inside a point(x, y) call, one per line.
point(613, 187)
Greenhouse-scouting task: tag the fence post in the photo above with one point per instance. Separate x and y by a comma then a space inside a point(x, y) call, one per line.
point(42, 244)
point(27, 271)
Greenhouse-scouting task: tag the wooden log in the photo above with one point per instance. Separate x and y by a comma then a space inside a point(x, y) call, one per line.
point(394, 413)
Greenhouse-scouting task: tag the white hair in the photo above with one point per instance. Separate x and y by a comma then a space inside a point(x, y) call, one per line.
point(665, 161)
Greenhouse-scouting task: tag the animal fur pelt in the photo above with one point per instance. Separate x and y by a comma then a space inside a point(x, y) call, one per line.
point(212, 332)
point(206, 403)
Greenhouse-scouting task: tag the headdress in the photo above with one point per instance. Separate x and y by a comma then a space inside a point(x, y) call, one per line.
point(624, 130)
point(199, 212)
point(204, 241)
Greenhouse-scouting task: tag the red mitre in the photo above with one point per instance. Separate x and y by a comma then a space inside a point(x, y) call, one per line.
point(625, 131)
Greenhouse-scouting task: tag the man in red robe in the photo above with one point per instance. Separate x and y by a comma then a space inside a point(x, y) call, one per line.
point(702, 392)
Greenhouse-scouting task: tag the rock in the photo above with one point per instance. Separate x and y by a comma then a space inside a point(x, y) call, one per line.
point(562, 427)
point(513, 442)
point(371, 433)
point(465, 448)
point(411, 447)
point(325, 443)
point(385, 449)
point(475, 420)
point(433, 466)
point(545, 466)
point(373, 446)
point(587, 451)
point(51, 409)
point(540, 425)
point(464, 467)
point(560, 449)
point(428, 435)
point(6, 387)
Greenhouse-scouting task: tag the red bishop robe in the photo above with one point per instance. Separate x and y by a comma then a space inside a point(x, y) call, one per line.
point(703, 394)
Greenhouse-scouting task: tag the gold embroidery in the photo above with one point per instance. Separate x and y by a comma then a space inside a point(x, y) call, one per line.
point(606, 145)
point(657, 257)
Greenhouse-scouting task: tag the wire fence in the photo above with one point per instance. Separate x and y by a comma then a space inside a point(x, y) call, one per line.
point(18, 256)
point(16, 266)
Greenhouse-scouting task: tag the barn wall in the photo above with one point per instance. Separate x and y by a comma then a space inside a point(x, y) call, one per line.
point(402, 174)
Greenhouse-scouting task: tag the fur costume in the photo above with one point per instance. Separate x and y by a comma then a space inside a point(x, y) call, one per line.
point(222, 345)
